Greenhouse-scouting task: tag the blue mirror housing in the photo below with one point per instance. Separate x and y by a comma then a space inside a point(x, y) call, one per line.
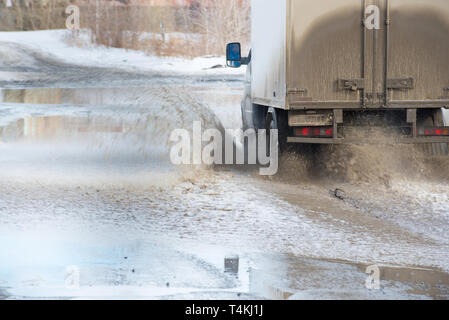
point(233, 55)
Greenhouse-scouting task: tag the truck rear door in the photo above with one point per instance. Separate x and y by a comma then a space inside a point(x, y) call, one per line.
point(417, 52)
point(368, 53)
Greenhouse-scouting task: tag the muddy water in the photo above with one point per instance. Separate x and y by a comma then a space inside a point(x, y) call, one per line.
point(89, 169)
point(106, 145)
point(299, 278)
point(137, 121)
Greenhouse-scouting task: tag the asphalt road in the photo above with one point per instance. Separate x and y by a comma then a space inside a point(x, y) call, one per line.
point(92, 207)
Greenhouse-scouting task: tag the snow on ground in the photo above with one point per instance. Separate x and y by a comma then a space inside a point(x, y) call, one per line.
point(52, 42)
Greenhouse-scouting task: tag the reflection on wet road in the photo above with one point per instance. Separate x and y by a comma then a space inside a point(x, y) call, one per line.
point(108, 96)
point(91, 207)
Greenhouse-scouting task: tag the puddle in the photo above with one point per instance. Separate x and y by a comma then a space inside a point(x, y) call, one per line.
point(106, 96)
point(144, 269)
point(76, 96)
point(41, 128)
point(44, 112)
point(288, 277)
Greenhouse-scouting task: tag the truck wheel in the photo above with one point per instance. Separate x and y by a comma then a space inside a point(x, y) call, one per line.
point(277, 120)
point(259, 116)
point(253, 115)
point(433, 117)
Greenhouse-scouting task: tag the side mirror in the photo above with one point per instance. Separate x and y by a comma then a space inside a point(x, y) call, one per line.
point(233, 55)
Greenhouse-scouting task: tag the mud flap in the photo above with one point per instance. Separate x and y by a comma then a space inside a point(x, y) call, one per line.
point(435, 149)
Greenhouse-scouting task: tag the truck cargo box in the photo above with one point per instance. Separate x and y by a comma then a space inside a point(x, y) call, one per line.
point(350, 54)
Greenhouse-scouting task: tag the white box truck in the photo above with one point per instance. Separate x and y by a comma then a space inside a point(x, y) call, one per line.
point(318, 71)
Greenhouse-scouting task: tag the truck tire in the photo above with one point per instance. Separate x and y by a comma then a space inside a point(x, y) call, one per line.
point(277, 119)
point(257, 115)
point(254, 120)
point(433, 117)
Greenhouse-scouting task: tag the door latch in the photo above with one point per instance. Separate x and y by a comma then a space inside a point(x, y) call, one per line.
point(351, 84)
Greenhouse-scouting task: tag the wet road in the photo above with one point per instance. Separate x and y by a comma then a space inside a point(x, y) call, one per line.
point(91, 207)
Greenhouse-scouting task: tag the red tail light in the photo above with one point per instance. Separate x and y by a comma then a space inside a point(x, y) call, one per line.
point(434, 132)
point(314, 132)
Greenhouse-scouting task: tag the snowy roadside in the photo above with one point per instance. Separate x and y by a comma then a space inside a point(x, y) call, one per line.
point(53, 44)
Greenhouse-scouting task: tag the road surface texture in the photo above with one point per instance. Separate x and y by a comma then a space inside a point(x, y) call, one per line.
point(91, 207)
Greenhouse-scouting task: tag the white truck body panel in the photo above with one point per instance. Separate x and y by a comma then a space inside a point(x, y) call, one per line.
point(268, 45)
